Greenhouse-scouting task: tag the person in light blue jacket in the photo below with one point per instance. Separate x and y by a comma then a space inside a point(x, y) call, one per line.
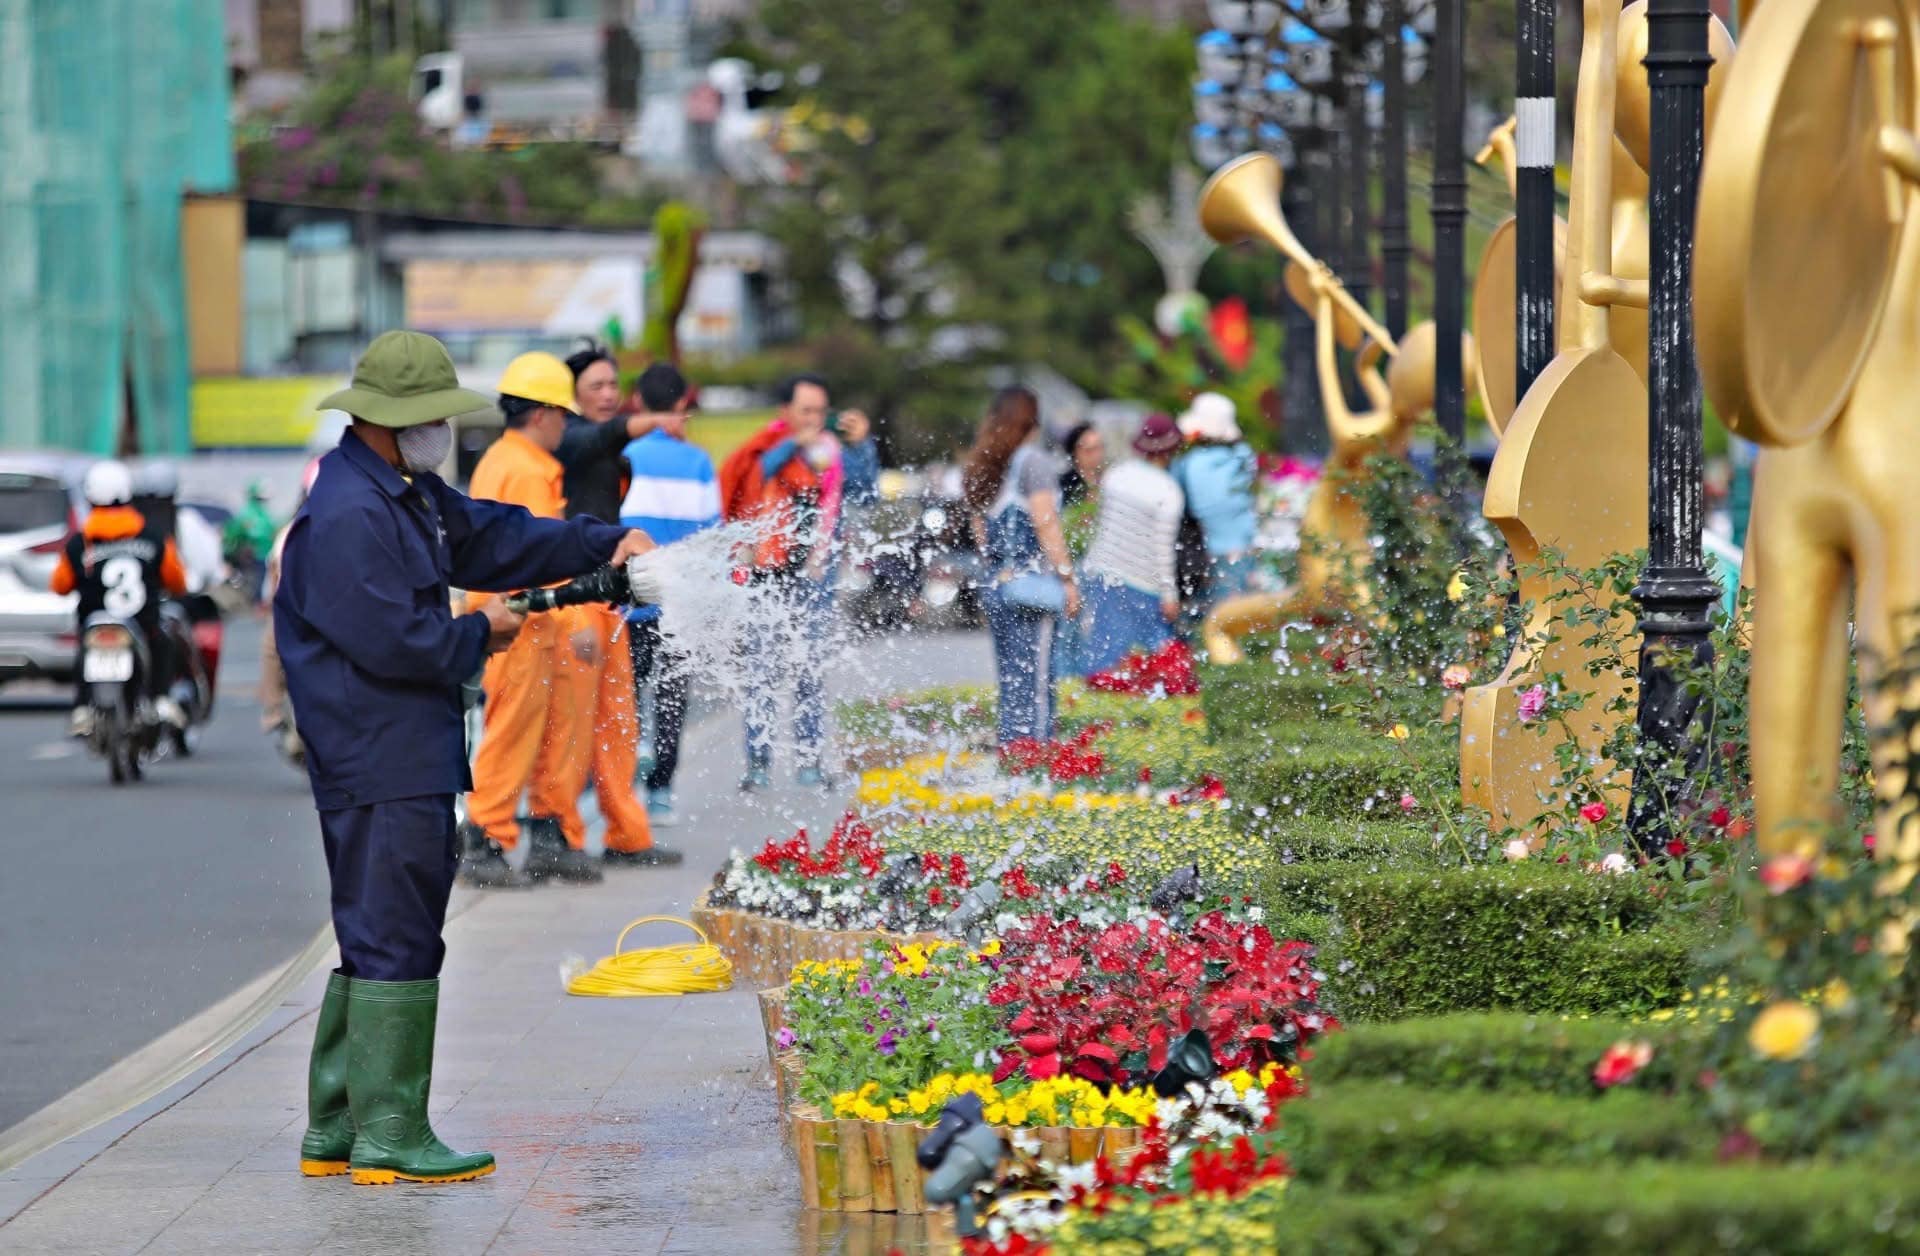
point(1217, 475)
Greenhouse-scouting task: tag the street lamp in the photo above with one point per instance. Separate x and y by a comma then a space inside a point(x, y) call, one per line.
point(1675, 593)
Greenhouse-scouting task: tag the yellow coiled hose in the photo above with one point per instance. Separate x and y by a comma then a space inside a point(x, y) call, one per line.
point(683, 968)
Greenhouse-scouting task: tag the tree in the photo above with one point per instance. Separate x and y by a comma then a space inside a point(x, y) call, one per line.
point(980, 218)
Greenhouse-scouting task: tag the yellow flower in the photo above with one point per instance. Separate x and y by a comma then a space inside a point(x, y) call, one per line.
point(1784, 1031)
point(1837, 996)
point(1457, 587)
point(1398, 733)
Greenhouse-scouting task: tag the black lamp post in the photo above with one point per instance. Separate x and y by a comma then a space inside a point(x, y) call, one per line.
point(1534, 138)
point(1396, 246)
point(1676, 595)
point(1449, 213)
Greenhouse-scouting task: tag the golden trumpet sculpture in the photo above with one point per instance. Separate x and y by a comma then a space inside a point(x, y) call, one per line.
point(1807, 301)
point(1570, 472)
point(1242, 201)
point(1494, 281)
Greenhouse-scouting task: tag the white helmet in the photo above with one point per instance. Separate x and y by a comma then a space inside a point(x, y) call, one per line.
point(109, 483)
point(157, 479)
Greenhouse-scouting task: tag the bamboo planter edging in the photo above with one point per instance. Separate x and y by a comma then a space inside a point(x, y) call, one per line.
point(850, 1165)
point(764, 949)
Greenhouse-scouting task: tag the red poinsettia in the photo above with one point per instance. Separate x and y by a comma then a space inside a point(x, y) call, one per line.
point(1168, 670)
point(851, 845)
point(1106, 1004)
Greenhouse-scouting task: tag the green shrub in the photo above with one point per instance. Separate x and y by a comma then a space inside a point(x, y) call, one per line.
point(1475, 1051)
point(1375, 1135)
point(1248, 697)
point(1532, 937)
point(1331, 768)
point(1637, 1207)
point(1315, 839)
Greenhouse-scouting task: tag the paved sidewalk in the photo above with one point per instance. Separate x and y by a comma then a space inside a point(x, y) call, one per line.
point(621, 1125)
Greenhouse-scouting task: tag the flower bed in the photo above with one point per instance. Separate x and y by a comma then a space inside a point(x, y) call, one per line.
point(1059, 1026)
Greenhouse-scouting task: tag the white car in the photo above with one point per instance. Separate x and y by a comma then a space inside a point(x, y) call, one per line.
point(40, 505)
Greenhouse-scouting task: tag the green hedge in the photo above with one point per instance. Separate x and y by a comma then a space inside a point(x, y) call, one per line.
point(1248, 697)
point(1532, 937)
point(1475, 1051)
point(1656, 1206)
point(1313, 839)
point(1332, 769)
point(1362, 1136)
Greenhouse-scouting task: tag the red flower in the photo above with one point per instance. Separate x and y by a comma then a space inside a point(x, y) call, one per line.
point(1739, 828)
point(1720, 818)
point(935, 898)
point(1867, 843)
point(1676, 848)
point(1785, 872)
point(1146, 774)
point(1620, 1063)
point(957, 874)
point(1594, 812)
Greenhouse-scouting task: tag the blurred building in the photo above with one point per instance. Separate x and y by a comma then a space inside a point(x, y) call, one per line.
point(271, 42)
point(284, 296)
point(111, 111)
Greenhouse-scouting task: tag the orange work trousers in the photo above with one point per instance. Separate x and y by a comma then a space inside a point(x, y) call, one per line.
point(513, 755)
point(593, 731)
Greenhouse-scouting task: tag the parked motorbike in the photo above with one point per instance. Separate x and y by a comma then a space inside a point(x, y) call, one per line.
point(114, 664)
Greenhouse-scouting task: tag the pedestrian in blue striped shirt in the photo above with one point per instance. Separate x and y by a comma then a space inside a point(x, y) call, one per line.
point(675, 491)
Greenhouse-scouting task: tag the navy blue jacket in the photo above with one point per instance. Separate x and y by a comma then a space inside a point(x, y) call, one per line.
point(374, 655)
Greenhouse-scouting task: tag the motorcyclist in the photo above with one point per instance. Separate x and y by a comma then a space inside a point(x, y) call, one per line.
point(121, 564)
point(156, 491)
point(249, 535)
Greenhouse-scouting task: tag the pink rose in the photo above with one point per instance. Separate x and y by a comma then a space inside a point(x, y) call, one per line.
point(1532, 702)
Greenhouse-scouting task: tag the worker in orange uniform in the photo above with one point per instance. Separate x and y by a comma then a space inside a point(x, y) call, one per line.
point(593, 711)
point(520, 469)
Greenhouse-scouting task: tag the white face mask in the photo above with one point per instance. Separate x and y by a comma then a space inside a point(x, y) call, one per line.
point(425, 447)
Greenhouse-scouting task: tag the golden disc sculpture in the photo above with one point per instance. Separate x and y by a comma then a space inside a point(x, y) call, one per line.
point(1570, 473)
point(1240, 201)
point(1807, 296)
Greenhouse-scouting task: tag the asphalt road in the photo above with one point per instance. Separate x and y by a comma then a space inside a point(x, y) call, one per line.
point(125, 911)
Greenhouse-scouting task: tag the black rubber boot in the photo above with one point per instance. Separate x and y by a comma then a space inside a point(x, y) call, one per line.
point(655, 856)
point(329, 1139)
point(548, 854)
point(484, 864)
point(389, 1074)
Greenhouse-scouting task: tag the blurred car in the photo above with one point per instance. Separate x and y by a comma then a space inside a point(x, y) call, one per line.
point(40, 504)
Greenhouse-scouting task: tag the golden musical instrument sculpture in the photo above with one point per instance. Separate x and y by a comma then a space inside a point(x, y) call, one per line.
point(1494, 280)
point(1570, 473)
point(1241, 201)
point(1807, 301)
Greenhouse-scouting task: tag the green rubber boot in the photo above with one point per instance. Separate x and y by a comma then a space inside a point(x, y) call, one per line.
point(329, 1142)
point(389, 1072)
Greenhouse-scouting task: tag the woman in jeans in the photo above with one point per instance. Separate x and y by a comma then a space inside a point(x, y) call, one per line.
point(1013, 489)
point(1131, 566)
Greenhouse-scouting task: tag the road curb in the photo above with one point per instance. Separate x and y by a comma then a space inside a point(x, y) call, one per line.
point(164, 1062)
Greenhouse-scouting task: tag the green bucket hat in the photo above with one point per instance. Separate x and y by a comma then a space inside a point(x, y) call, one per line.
point(404, 379)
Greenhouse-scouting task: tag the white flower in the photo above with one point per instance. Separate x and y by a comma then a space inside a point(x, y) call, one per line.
point(1517, 850)
point(1615, 864)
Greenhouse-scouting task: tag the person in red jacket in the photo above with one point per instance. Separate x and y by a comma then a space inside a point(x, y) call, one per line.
point(786, 478)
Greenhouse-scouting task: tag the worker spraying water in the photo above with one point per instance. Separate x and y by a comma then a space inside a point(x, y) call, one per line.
point(374, 659)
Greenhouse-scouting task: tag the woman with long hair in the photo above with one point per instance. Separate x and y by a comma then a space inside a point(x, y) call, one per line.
point(1012, 487)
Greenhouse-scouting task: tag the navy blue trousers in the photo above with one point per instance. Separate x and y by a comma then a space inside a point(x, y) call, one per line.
point(392, 865)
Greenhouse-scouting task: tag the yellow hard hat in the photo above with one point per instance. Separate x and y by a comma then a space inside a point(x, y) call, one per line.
point(540, 377)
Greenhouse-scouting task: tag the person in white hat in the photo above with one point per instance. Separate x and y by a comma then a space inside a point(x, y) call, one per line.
point(1217, 475)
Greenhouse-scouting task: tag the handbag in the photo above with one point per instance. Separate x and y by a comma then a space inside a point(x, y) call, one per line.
point(1035, 591)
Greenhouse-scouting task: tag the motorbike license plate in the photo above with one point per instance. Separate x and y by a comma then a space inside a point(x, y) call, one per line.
point(107, 666)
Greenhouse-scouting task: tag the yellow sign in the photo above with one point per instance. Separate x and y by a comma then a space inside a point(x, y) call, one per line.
point(500, 295)
point(278, 413)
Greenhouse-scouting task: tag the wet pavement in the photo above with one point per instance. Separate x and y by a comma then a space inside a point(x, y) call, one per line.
point(621, 1125)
